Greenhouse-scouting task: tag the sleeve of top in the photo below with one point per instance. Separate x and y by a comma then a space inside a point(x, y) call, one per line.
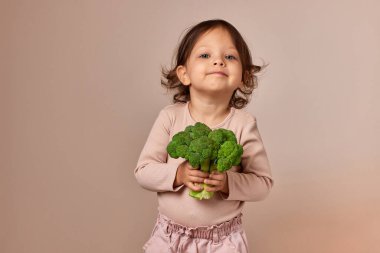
point(254, 181)
point(153, 172)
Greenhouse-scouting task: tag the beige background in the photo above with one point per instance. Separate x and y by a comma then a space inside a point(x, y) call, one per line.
point(80, 90)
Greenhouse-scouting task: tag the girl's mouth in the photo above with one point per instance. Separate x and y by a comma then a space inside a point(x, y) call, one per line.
point(220, 73)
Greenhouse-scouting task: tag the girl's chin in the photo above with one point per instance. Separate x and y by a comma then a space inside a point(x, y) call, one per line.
point(216, 91)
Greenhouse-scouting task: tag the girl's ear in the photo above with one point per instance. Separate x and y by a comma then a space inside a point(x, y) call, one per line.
point(182, 75)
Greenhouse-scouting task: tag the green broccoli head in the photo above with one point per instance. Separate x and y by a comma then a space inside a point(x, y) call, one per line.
point(229, 155)
point(207, 150)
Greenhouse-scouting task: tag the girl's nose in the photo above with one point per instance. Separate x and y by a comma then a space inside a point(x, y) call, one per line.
point(219, 62)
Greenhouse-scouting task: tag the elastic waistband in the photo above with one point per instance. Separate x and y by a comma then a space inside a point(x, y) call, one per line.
point(214, 232)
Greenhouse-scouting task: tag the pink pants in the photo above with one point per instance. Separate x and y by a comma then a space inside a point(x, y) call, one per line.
point(167, 236)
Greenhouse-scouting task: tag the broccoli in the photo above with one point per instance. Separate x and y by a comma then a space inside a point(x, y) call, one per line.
point(207, 150)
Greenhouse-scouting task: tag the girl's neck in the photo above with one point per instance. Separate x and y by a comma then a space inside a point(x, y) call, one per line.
point(210, 113)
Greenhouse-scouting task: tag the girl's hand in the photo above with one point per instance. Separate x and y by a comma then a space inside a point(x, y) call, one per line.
point(189, 176)
point(217, 182)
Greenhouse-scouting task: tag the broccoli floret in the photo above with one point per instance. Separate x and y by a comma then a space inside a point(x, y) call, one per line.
point(179, 145)
point(200, 152)
point(229, 155)
point(198, 130)
point(222, 135)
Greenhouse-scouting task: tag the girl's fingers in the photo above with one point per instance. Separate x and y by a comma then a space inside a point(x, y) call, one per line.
point(210, 188)
point(196, 179)
point(194, 186)
point(217, 175)
point(212, 182)
point(198, 173)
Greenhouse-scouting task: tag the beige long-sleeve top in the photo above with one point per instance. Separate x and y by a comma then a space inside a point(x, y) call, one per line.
point(156, 171)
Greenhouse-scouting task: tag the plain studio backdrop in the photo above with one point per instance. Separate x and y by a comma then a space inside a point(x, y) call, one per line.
point(80, 89)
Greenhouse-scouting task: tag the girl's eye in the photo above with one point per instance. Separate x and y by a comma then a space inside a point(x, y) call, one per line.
point(204, 56)
point(230, 57)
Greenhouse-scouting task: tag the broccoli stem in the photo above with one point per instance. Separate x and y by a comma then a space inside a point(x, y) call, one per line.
point(213, 166)
point(203, 194)
point(205, 165)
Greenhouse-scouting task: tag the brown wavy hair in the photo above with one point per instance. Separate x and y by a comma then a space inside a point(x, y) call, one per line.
point(240, 97)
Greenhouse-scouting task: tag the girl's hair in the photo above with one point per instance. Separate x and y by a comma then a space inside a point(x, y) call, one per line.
point(240, 97)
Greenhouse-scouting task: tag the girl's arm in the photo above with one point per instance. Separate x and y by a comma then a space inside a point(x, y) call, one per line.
point(153, 172)
point(254, 181)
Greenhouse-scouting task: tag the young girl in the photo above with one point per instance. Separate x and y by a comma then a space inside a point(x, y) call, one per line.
point(213, 78)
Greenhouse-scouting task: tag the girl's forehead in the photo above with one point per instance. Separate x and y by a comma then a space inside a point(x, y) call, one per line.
point(215, 36)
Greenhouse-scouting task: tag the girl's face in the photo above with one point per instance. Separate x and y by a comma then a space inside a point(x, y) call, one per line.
point(213, 66)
